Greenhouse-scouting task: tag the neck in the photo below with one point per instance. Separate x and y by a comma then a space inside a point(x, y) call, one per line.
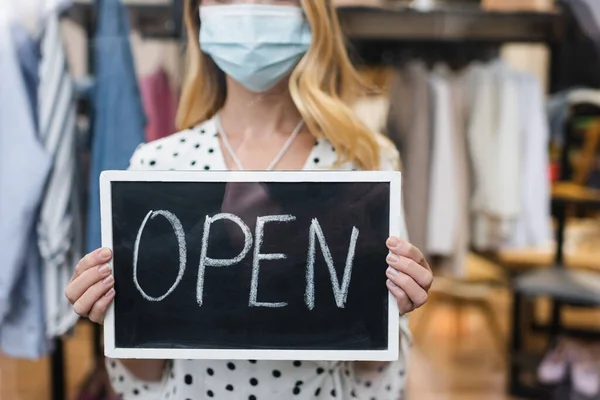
point(255, 115)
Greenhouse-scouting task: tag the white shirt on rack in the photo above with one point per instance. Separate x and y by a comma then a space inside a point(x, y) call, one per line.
point(494, 138)
point(443, 201)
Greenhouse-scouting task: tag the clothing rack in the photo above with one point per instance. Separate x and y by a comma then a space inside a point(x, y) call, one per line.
point(374, 24)
point(373, 34)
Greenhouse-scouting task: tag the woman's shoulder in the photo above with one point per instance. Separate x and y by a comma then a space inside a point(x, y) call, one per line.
point(389, 157)
point(161, 154)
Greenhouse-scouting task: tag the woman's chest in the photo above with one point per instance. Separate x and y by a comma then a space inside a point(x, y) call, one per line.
point(203, 149)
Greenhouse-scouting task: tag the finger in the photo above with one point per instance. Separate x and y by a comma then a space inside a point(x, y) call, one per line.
point(79, 286)
point(415, 293)
point(403, 248)
point(84, 304)
point(421, 275)
point(404, 304)
point(99, 308)
point(91, 260)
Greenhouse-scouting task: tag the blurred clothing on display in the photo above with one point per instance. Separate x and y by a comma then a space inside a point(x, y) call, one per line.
point(59, 224)
point(409, 127)
point(37, 135)
point(119, 120)
point(24, 167)
point(587, 13)
point(160, 104)
point(474, 145)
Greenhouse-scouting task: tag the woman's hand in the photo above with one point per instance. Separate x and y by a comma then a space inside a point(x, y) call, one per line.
point(409, 275)
point(91, 287)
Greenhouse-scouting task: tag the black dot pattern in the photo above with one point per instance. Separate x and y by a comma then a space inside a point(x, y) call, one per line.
point(250, 379)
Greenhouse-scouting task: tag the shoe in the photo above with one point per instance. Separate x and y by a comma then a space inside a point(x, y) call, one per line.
point(585, 374)
point(553, 368)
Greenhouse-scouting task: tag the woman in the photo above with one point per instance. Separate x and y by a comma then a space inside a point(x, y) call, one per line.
point(266, 88)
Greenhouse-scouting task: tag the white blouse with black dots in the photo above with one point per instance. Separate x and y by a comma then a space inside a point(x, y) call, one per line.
point(199, 149)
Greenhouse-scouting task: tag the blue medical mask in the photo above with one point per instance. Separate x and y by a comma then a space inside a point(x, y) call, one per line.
point(255, 44)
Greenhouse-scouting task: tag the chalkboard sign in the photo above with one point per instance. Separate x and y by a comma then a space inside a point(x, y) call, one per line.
point(251, 265)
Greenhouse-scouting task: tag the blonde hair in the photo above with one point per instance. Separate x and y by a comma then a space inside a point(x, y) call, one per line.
point(322, 85)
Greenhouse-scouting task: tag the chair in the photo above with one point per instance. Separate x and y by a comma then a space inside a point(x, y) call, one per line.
point(563, 286)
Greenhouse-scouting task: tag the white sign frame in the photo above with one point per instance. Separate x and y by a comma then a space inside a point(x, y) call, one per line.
point(396, 227)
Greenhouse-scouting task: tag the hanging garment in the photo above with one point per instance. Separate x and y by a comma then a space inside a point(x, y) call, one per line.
point(28, 50)
point(409, 127)
point(494, 148)
point(533, 226)
point(455, 263)
point(24, 166)
point(119, 121)
point(587, 13)
point(507, 199)
point(443, 200)
point(160, 104)
point(59, 238)
point(23, 333)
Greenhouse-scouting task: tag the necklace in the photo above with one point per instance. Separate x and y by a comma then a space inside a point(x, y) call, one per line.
point(277, 158)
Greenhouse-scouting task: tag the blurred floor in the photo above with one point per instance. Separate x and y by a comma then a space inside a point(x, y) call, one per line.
point(456, 358)
point(30, 380)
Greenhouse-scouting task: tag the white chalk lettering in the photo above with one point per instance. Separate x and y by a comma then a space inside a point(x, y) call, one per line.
point(260, 231)
point(340, 293)
point(206, 261)
point(179, 234)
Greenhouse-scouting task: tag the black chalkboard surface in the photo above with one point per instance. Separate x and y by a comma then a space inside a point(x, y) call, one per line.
point(251, 265)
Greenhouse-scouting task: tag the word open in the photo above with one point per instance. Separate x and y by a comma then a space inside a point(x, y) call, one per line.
point(340, 291)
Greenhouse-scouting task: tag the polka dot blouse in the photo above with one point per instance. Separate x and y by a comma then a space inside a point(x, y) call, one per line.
point(199, 149)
